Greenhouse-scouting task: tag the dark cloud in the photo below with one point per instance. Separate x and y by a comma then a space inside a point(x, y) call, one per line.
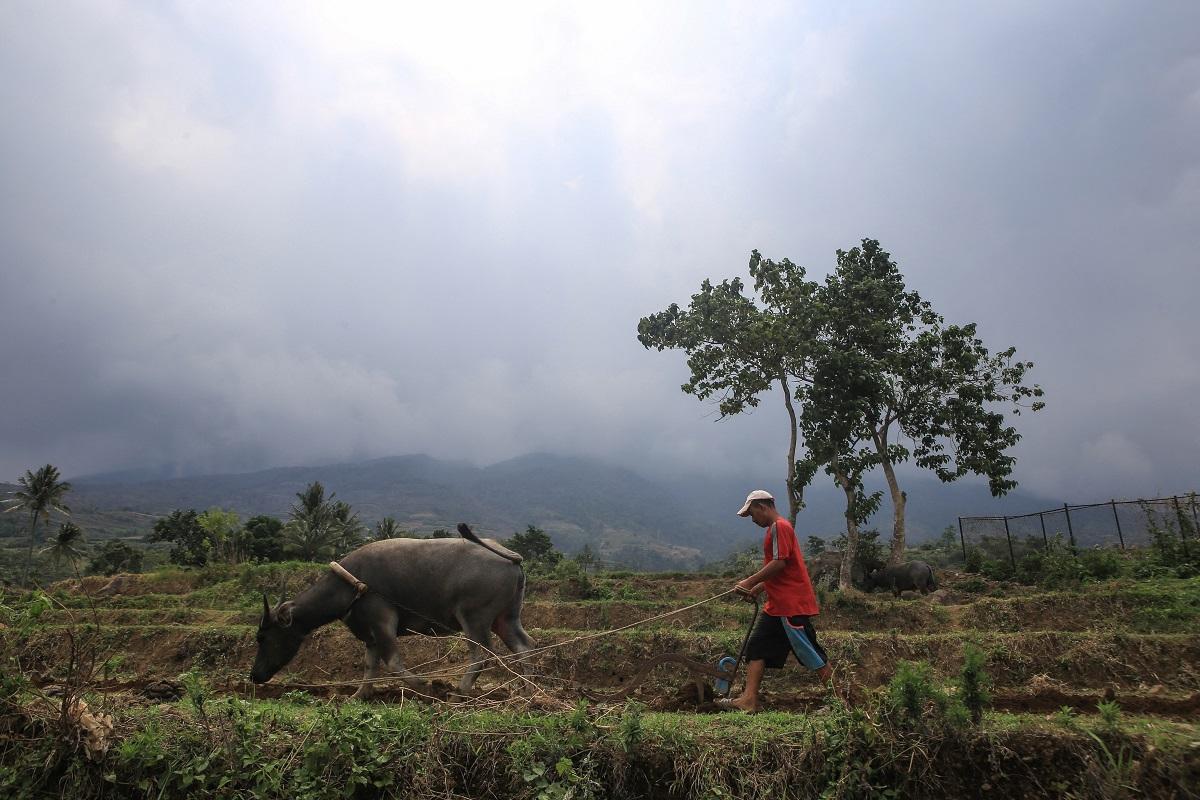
point(229, 240)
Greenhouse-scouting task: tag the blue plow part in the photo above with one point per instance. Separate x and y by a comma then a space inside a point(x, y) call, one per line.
point(726, 664)
point(802, 647)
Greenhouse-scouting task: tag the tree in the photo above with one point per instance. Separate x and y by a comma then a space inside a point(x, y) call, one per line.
point(586, 558)
point(190, 542)
point(41, 492)
point(388, 528)
point(350, 531)
point(737, 348)
point(67, 545)
point(312, 531)
point(115, 556)
point(224, 530)
point(535, 545)
point(263, 538)
point(816, 546)
point(441, 533)
point(918, 378)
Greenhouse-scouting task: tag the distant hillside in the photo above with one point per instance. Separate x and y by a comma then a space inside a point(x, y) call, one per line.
point(624, 517)
point(669, 522)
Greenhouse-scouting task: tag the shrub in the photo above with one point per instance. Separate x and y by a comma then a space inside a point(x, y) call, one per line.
point(974, 585)
point(911, 690)
point(1110, 714)
point(974, 560)
point(574, 581)
point(973, 682)
point(997, 569)
point(1103, 564)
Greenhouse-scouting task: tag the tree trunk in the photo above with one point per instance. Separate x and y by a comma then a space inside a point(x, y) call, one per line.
point(846, 576)
point(29, 553)
point(792, 490)
point(899, 499)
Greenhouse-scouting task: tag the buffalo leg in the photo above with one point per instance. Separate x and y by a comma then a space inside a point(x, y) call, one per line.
point(480, 637)
point(367, 689)
point(383, 650)
point(512, 634)
point(517, 641)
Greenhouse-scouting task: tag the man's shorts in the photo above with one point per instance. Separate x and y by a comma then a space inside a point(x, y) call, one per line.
point(769, 641)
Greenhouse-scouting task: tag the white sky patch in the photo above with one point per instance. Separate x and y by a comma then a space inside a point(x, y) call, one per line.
point(158, 133)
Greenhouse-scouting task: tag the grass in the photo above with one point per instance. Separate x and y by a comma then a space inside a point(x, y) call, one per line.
point(351, 749)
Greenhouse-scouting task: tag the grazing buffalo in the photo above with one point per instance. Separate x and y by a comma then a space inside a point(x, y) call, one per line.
point(422, 586)
point(915, 575)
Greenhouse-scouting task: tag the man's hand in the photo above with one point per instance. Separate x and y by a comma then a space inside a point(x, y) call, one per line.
point(747, 589)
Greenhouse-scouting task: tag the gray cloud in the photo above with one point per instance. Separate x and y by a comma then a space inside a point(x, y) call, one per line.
point(233, 238)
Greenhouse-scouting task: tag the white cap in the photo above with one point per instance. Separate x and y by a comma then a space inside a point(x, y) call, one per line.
point(757, 494)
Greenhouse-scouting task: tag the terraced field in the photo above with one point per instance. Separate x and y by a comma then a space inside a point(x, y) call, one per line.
point(1044, 650)
point(1135, 644)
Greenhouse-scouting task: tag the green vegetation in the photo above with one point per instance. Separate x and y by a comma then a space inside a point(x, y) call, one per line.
point(40, 494)
point(115, 556)
point(278, 749)
point(945, 698)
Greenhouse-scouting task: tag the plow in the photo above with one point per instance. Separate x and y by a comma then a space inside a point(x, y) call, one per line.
point(709, 679)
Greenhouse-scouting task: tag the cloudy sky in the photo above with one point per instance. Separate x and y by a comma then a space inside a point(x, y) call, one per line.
point(238, 235)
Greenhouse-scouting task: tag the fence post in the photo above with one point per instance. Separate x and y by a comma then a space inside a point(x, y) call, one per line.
point(1045, 541)
point(1182, 522)
point(1011, 558)
point(962, 539)
point(1117, 519)
point(1070, 530)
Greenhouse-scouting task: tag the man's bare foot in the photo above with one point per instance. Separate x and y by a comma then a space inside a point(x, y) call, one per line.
point(737, 704)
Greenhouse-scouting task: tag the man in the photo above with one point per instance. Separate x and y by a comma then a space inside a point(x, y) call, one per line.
point(785, 626)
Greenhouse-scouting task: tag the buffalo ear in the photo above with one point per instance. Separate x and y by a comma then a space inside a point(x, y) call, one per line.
point(284, 614)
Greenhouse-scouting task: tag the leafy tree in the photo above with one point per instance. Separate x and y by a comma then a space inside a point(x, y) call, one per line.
point(933, 384)
point(224, 530)
point(816, 546)
point(536, 546)
point(41, 492)
point(262, 538)
point(585, 558)
point(350, 530)
point(313, 531)
point(834, 408)
point(738, 348)
point(67, 545)
point(441, 533)
point(388, 528)
point(190, 542)
point(115, 556)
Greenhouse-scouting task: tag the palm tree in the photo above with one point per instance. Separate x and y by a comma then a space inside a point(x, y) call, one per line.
point(350, 529)
point(41, 492)
point(313, 529)
point(387, 528)
point(67, 545)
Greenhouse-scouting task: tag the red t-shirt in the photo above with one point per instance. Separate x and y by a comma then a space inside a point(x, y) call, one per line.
point(789, 592)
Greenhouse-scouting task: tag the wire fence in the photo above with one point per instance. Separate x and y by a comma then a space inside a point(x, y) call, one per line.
point(1116, 523)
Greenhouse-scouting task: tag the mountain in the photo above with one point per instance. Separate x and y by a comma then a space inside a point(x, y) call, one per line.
point(673, 521)
point(623, 517)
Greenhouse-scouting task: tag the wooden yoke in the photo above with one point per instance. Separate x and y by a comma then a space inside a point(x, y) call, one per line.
point(344, 574)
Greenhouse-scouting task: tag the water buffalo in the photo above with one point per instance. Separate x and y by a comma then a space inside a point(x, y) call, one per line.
point(915, 575)
point(424, 586)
